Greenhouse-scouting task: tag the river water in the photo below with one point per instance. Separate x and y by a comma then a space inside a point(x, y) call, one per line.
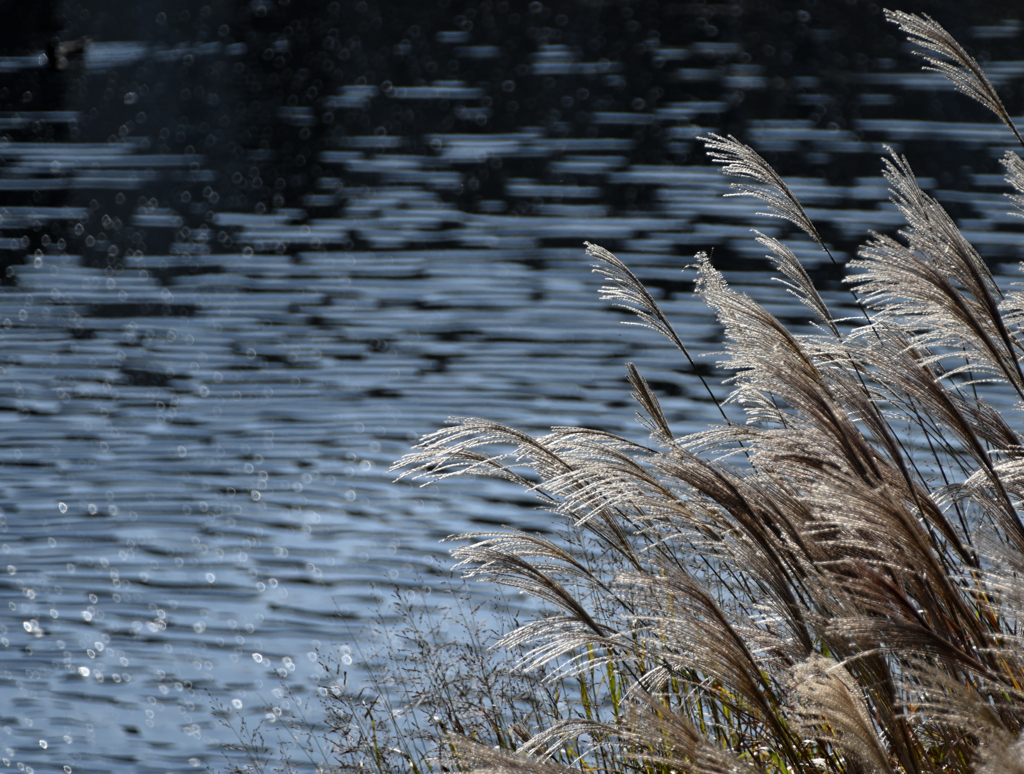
point(252, 252)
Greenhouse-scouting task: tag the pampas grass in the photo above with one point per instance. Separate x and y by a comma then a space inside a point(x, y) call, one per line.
point(836, 583)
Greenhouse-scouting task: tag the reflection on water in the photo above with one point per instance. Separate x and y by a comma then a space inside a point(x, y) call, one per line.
point(250, 256)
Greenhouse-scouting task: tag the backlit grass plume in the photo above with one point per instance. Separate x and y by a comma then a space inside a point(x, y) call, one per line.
point(951, 60)
point(830, 580)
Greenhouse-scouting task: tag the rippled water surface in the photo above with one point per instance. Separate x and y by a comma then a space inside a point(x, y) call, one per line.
point(253, 252)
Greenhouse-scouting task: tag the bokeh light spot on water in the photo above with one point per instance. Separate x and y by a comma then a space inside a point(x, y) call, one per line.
point(346, 655)
point(84, 671)
point(257, 657)
point(236, 703)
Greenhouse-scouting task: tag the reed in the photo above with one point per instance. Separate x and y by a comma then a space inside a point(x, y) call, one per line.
point(834, 583)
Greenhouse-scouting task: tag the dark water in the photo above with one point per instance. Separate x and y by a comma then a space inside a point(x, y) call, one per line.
point(253, 251)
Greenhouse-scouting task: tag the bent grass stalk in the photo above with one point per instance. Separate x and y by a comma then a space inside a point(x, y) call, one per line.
point(794, 593)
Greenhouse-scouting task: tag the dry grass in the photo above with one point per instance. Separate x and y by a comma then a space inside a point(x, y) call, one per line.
point(832, 584)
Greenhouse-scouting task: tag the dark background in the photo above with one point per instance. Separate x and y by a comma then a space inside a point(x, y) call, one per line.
point(298, 55)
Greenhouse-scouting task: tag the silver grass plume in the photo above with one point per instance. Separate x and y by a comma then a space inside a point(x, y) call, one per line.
point(1003, 758)
point(798, 282)
point(828, 703)
point(628, 292)
point(662, 737)
point(952, 61)
point(952, 705)
point(739, 160)
point(1014, 165)
point(939, 278)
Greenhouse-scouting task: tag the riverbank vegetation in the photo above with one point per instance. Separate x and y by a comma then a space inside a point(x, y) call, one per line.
point(832, 579)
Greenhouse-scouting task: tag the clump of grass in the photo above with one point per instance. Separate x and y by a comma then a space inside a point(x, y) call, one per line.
point(433, 677)
point(836, 583)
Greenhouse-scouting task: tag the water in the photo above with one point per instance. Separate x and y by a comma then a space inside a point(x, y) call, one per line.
point(251, 255)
